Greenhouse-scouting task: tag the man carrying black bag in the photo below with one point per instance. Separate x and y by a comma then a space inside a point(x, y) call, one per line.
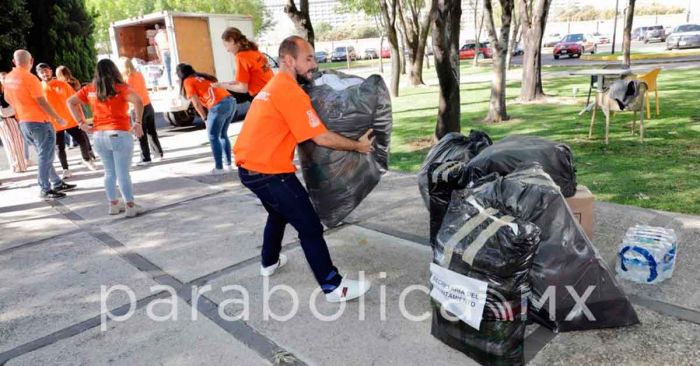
point(280, 117)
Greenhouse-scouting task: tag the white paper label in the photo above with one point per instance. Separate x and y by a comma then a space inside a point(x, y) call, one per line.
point(462, 296)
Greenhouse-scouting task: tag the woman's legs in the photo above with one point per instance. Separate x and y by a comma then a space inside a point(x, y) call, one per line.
point(61, 152)
point(103, 146)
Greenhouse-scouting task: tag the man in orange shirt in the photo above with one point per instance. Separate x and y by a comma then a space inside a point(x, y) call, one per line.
point(57, 93)
point(280, 117)
point(24, 93)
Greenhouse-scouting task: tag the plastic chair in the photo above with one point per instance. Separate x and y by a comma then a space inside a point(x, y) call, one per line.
point(608, 106)
point(650, 79)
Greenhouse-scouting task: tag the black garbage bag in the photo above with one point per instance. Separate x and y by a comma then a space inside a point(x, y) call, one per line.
point(481, 259)
point(507, 154)
point(452, 147)
point(566, 262)
point(338, 181)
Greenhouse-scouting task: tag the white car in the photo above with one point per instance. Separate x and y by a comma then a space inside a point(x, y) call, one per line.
point(684, 36)
point(551, 39)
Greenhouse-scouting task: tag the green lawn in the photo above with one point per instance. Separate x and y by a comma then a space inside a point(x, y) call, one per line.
point(663, 172)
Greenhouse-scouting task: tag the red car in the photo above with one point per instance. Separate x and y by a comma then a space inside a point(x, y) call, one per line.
point(574, 45)
point(386, 53)
point(469, 51)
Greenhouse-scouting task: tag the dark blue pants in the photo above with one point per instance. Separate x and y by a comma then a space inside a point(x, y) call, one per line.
point(286, 201)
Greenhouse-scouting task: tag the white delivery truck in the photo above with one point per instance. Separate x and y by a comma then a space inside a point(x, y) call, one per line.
point(194, 38)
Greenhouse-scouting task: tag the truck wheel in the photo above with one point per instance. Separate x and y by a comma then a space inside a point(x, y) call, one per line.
point(556, 57)
point(180, 118)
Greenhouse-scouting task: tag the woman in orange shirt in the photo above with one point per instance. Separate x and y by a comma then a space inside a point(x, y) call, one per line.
point(138, 84)
point(109, 97)
point(220, 106)
point(252, 70)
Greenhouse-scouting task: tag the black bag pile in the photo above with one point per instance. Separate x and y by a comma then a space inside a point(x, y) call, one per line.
point(571, 286)
point(452, 147)
point(507, 154)
point(338, 181)
point(480, 241)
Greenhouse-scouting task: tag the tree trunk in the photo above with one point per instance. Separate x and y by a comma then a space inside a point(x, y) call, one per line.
point(381, 48)
point(415, 26)
point(499, 47)
point(514, 31)
point(627, 37)
point(533, 18)
point(300, 18)
point(446, 16)
point(478, 37)
point(388, 9)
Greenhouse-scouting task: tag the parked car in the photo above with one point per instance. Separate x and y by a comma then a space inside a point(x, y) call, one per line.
point(656, 32)
point(684, 36)
point(601, 38)
point(574, 45)
point(322, 57)
point(469, 51)
point(370, 54)
point(386, 52)
point(518, 50)
point(342, 54)
point(551, 40)
point(638, 33)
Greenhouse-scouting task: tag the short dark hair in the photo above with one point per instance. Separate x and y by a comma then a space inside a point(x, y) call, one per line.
point(42, 65)
point(290, 46)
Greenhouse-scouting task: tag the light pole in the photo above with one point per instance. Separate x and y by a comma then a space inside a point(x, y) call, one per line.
point(614, 27)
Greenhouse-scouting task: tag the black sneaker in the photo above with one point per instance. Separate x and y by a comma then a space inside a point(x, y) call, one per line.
point(64, 187)
point(52, 195)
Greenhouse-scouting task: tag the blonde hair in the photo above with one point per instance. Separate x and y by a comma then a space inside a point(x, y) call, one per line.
point(127, 66)
point(64, 74)
point(232, 34)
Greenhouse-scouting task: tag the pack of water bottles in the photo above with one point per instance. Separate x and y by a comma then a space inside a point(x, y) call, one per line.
point(647, 254)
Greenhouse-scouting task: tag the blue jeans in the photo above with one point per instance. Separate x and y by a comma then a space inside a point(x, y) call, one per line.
point(43, 137)
point(218, 120)
point(116, 149)
point(286, 201)
point(166, 63)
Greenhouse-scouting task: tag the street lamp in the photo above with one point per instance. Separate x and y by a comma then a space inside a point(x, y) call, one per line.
point(614, 28)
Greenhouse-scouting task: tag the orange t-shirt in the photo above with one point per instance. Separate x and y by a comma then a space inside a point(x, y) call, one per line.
point(57, 93)
point(138, 85)
point(113, 113)
point(252, 69)
point(21, 90)
point(280, 117)
point(201, 87)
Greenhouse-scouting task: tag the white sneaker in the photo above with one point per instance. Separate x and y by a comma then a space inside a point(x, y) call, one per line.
point(143, 163)
point(270, 270)
point(116, 209)
point(218, 171)
point(90, 165)
point(228, 168)
point(348, 290)
point(158, 158)
point(67, 174)
point(133, 211)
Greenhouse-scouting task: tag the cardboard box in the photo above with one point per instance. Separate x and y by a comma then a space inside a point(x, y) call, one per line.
point(582, 204)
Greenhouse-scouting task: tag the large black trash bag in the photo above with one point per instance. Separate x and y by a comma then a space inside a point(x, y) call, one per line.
point(452, 147)
point(482, 242)
point(565, 256)
point(338, 181)
point(507, 154)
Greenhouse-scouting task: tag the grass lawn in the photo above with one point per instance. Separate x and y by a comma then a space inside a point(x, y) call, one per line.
point(663, 172)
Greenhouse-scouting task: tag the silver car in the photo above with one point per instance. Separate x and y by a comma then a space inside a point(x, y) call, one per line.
point(684, 36)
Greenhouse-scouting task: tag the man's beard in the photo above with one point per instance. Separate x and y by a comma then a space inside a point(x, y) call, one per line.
point(303, 79)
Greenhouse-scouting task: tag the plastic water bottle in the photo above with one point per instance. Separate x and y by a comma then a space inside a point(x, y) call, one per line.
point(647, 254)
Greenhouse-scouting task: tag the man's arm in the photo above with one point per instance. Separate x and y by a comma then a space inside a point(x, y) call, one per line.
point(234, 86)
point(336, 141)
point(44, 104)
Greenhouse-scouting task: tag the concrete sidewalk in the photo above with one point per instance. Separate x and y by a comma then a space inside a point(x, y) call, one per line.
point(204, 233)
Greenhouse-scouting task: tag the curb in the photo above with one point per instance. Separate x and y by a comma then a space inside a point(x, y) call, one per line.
point(640, 56)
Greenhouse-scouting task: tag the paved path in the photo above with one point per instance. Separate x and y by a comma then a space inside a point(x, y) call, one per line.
point(202, 231)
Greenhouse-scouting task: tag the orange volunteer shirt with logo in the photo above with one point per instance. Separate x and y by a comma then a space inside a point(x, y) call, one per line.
point(111, 114)
point(21, 90)
point(253, 69)
point(280, 117)
point(57, 93)
point(201, 87)
point(138, 85)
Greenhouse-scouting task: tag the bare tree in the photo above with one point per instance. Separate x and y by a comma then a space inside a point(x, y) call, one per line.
point(388, 10)
point(445, 17)
point(499, 47)
point(627, 36)
point(300, 18)
point(513, 40)
point(414, 20)
point(533, 19)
